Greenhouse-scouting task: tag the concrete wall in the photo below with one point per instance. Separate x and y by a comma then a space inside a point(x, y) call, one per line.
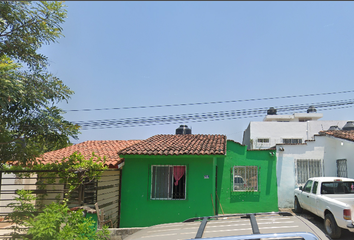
point(277, 131)
point(286, 178)
point(246, 140)
point(336, 148)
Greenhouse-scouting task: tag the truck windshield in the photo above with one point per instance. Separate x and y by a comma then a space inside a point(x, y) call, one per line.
point(337, 188)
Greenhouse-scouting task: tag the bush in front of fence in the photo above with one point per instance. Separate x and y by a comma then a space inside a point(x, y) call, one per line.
point(56, 221)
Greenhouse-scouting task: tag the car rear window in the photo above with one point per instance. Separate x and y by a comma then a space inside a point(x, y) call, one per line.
point(337, 188)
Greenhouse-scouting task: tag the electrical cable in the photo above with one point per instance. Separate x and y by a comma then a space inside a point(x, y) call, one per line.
point(209, 116)
point(214, 102)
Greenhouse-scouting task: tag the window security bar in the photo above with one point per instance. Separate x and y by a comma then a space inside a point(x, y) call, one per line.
point(342, 168)
point(307, 168)
point(245, 178)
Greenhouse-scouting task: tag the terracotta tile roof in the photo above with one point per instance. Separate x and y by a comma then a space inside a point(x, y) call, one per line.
point(189, 144)
point(108, 148)
point(344, 134)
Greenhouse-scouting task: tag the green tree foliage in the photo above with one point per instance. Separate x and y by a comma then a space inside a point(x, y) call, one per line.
point(57, 222)
point(26, 26)
point(23, 209)
point(72, 171)
point(30, 123)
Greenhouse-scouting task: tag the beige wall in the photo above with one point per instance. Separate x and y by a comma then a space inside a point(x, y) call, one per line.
point(108, 194)
point(10, 183)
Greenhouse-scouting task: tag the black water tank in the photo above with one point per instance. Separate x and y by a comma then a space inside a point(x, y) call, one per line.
point(271, 111)
point(333, 128)
point(311, 109)
point(183, 129)
point(349, 125)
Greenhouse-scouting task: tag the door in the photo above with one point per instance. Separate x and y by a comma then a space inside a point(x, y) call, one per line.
point(305, 195)
point(312, 198)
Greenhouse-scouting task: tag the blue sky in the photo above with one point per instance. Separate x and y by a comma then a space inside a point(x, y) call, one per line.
point(121, 54)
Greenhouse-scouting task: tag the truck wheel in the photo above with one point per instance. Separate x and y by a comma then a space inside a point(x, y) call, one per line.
point(331, 226)
point(297, 207)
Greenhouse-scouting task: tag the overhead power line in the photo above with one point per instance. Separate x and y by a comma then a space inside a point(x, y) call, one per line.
point(209, 116)
point(213, 102)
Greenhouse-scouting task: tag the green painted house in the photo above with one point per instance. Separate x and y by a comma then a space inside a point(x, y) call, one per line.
point(246, 180)
point(170, 178)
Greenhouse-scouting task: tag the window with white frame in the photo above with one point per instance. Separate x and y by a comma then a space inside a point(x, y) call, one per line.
point(262, 142)
point(168, 182)
point(307, 168)
point(245, 178)
point(292, 140)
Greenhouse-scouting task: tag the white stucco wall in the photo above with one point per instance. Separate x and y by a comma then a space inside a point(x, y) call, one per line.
point(277, 131)
point(286, 179)
point(336, 148)
point(246, 136)
point(326, 148)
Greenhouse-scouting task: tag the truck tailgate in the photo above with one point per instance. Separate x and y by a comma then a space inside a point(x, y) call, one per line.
point(347, 199)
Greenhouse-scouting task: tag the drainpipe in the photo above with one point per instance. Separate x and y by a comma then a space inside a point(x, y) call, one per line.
point(216, 190)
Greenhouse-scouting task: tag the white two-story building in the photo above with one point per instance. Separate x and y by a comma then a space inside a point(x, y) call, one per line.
point(287, 129)
point(305, 147)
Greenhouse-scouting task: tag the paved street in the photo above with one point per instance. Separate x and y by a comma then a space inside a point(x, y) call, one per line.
point(346, 235)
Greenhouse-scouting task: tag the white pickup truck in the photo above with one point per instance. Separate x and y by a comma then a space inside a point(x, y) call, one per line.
point(331, 198)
